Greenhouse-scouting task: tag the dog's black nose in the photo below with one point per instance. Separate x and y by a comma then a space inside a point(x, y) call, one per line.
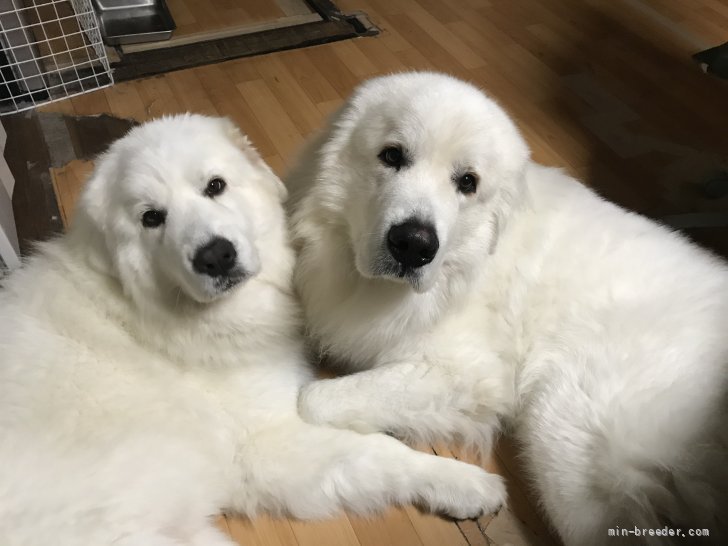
point(216, 258)
point(413, 244)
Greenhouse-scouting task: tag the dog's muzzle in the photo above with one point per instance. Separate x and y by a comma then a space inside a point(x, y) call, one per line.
point(413, 244)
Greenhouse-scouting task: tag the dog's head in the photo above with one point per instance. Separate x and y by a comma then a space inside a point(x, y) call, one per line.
point(176, 208)
point(421, 167)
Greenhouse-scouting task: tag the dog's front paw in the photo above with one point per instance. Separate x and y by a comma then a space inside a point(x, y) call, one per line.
point(467, 491)
point(319, 404)
point(313, 406)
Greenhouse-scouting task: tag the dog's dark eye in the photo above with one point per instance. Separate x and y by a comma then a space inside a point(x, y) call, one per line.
point(392, 156)
point(154, 218)
point(467, 183)
point(215, 187)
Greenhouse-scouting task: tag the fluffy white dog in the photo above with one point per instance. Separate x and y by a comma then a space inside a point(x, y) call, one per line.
point(476, 287)
point(150, 364)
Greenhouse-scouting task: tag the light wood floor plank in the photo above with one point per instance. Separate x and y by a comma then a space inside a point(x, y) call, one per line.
point(426, 45)
point(125, 102)
point(227, 100)
point(87, 104)
point(449, 41)
point(62, 107)
point(335, 532)
point(191, 95)
point(290, 94)
point(377, 53)
point(158, 97)
point(337, 73)
point(392, 527)
point(286, 138)
point(435, 531)
point(262, 531)
point(329, 107)
point(358, 63)
point(67, 183)
point(244, 70)
point(390, 36)
point(277, 164)
point(309, 77)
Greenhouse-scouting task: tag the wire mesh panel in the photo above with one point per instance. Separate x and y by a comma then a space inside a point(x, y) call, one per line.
point(49, 50)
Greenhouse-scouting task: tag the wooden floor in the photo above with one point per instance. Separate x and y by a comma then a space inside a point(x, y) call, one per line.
point(603, 88)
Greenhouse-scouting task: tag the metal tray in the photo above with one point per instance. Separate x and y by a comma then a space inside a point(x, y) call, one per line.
point(134, 21)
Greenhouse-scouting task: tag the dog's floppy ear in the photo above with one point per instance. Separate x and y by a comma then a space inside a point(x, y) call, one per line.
point(243, 142)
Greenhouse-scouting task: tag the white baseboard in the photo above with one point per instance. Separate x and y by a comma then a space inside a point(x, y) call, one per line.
point(9, 250)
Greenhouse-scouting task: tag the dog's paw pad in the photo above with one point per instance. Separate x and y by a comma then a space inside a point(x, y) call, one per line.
point(476, 495)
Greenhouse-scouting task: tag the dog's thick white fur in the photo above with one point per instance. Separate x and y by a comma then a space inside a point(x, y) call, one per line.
point(600, 336)
point(139, 396)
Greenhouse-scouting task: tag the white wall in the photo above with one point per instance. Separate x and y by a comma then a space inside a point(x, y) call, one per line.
point(9, 252)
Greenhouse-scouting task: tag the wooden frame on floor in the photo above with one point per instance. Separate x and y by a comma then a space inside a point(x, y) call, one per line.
point(328, 24)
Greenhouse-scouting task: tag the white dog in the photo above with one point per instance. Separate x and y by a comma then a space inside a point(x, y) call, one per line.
point(150, 364)
point(480, 286)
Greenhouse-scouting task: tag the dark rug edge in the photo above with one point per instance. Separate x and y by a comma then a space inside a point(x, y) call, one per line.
point(334, 26)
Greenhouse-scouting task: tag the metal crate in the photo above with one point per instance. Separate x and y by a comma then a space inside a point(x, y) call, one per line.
point(50, 50)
